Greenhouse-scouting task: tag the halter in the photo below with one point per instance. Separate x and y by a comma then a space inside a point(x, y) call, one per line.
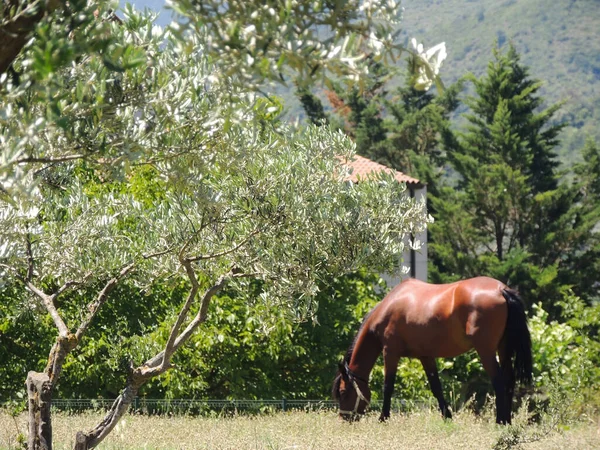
point(352, 377)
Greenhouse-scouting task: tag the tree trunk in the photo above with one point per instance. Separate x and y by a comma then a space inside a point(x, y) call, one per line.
point(85, 441)
point(39, 393)
point(16, 29)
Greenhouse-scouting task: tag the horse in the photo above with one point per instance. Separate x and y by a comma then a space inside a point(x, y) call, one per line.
point(429, 321)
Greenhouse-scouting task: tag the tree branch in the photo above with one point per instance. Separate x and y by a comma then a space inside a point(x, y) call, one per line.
point(92, 438)
point(16, 31)
point(94, 306)
point(47, 160)
point(48, 302)
point(157, 254)
point(225, 252)
point(169, 347)
point(153, 367)
point(193, 325)
point(29, 258)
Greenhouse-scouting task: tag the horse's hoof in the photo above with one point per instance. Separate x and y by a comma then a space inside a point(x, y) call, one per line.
point(383, 419)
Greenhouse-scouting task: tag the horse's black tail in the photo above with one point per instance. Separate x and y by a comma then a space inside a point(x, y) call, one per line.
point(517, 337)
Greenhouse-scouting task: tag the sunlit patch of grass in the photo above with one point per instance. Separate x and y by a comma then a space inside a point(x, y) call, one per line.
point(320, 430)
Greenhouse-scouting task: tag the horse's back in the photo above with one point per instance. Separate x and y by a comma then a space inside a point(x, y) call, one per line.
point(442, 320)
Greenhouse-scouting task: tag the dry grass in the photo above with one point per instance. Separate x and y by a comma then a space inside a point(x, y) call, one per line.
point(298, 430)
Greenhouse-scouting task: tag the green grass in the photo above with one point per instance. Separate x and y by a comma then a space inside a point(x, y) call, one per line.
point(299, 430)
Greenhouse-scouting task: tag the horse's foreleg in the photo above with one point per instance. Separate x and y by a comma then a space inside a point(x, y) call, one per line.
point(490, 364)
point(431, 371)
point(391, 367)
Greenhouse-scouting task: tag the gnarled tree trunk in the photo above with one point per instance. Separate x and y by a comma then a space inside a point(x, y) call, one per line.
point(84, 441)
point(39, 393)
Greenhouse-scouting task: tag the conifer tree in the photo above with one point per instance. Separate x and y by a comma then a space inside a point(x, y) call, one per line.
point(507, 215)
point(406, 129)
point(583, 256)
point(312, 105)
point(418, 125)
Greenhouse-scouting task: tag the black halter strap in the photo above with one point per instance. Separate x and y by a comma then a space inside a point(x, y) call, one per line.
point(352, 377)
point(352, 374)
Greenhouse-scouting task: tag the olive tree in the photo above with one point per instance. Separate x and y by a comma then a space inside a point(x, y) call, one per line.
point(143, 161)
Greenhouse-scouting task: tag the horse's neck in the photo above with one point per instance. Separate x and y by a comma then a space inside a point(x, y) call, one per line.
point(365, 353)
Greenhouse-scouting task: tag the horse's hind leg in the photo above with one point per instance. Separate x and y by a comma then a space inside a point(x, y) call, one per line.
point(509, 379)
point(436, 386)
point(490, 364)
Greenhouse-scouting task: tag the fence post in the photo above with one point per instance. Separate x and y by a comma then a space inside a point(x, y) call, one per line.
point(136, 404)
point(283, 404)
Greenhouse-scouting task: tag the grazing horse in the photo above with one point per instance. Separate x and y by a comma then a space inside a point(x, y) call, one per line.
point(428, 321)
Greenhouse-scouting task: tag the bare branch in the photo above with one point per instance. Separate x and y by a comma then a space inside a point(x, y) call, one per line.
point(29, 258)
point(192, 326)
point(169, 347)
point(48, 302)
point(32, 159)
point(94, 306)
point(237, 274)
point(225, 252)
point(157, 254)
point(92, 438)
point(67, 285)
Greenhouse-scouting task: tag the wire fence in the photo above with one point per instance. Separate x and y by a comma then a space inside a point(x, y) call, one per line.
point(195, 406)
point(148, 406)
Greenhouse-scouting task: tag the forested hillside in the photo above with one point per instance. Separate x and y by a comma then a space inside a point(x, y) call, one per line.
point(557, 40)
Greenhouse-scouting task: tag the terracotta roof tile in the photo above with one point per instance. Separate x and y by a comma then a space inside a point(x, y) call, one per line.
point(361, 167)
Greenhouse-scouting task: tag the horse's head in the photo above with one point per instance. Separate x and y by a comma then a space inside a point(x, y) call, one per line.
point(352, 392)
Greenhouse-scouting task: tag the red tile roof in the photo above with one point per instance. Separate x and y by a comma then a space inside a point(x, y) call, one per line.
point(361, 167)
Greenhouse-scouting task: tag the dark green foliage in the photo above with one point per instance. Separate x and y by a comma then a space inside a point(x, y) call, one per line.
point(20, 335)
point(312, 106)
point(98, 367)
point(506, 122)
point(583, 259)
point(243, 351)
point(507, 216)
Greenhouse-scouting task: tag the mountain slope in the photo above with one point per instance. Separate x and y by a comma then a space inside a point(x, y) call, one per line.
point(559, 41)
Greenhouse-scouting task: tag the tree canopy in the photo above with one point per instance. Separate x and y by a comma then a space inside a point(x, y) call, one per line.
point(134, 157)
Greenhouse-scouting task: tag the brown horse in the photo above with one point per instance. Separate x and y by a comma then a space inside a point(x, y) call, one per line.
point(428, 321)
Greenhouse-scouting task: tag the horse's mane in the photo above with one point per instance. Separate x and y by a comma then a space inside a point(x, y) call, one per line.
point(338, 377)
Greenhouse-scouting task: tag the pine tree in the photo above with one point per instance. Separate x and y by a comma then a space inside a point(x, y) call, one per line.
point(583, 256)
point(418, 126)
point(313, 107)
point(507, 119)
point(507, 215)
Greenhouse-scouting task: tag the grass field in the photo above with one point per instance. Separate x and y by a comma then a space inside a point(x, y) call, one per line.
point(299, 430)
